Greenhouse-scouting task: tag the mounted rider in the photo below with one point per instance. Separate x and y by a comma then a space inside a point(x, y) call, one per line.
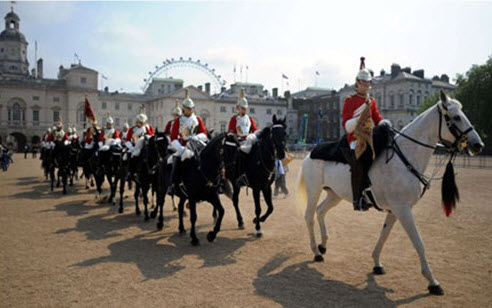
point(124, 132)
point(90, 135)
point(242, 124)
point(359, 116)
point(187, 127)
point(57, 134)
point(135, 139)
point(109, 136)
point(72, 134)
point(176, 114)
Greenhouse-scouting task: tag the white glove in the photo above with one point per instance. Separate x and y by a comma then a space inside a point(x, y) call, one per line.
point(177, 146)
point(116, 141)
point(100, 143)
point(129, 145)
point(385, 122)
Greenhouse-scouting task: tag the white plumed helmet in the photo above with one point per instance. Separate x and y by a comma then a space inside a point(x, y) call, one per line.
point(74, 130)
point(363, 73)
point(142, 117)
point(69, 130)
point(242, 101)
point(126, 125)
point(109, 120)
point(176, 110)
point(188, 102)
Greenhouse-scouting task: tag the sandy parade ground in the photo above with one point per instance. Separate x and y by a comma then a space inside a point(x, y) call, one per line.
point(67, 250)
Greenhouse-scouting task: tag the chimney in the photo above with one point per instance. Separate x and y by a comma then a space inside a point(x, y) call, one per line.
point(222, 89)
point(106, 89)
point(33, 73)
point(207, 88)
point(407, 70)
point(395, 70)
point(419, 73)
point(383, 72)
point(275, 92)
point(287, 94)
point(40, 68)
point(436, 78)
point(60, 72)
point(265, 92)
point(200, 88)
point(445, 78)
point(371, 72)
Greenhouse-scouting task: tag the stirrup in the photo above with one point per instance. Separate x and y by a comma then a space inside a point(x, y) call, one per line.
point(361, 204)
point(242, 180)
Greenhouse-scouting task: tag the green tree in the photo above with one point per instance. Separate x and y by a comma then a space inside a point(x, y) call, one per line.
point(428, 102)
point(474, 91)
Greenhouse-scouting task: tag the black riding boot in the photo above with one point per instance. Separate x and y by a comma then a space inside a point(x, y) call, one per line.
point(242, 180)
point(359, 179)
point(171, 189)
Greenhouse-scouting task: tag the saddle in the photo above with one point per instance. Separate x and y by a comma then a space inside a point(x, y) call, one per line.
point(334, 151)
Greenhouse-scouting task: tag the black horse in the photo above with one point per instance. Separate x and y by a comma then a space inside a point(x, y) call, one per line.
point(123, 175)
point(74, 153)
point(198, 179)
point(61, 160)
point(108, 166)
point(256, 168)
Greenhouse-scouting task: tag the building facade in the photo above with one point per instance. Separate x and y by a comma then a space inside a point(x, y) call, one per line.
point(30, 103)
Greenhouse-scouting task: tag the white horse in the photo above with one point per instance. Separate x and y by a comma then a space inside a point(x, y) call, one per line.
point(394, 187)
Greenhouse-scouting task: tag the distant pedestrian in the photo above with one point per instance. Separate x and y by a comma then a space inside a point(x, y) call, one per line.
point(281, 169)
point(26, 150)
point(6, 160)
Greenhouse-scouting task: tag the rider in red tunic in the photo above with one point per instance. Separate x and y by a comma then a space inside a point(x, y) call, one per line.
point(353, 108)
point(176, 114)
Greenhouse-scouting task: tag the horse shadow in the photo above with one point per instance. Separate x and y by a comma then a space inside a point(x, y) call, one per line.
point(298, 285)
point(157, 260)
point(41, 190)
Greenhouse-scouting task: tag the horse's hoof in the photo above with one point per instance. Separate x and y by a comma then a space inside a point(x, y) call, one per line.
point(182, 231)
point(146, 218)
point(435, 290)
point(240, 226)
point(120, 210)
point(86, 187)
point(211, 236)
point(322, 249)
point(160, 225)
point(378, 270)
point(255, 220)
point(138, 213)
point(318, 258)
point(259, 233)
point(92, 184)
point(71, 184)
point(175, 209)
point(153, 215)
point(64, 192)
point(195, 242)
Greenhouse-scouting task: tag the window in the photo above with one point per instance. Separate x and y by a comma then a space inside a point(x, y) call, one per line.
point(35, 115)
point(401, 100)
point(392, 101)
point(251, 110)
point(222, 109)
point(130, 107)
point(35, 98)
point(269, 111)
point(117, 106)
point(83, 80)
point(104, 105)
point(410, 99)
point(81, 114)
point(16, 115)
point(117, 122)
point(233, 109)
point(418, 100)
point(280, 112)
point(56, 99)
point(56, 116)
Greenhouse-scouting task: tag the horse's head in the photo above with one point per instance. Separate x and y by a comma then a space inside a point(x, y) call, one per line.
point(161, 144)
point(279, 136)
point(458, 130)
point(231, 145)
point(215, 148)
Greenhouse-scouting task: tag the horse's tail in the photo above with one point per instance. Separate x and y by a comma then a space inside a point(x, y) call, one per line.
point(301, 189)
point(449, 191)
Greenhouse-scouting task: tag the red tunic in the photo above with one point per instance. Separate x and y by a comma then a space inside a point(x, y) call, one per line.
point(116, 134)
point(175, 131)
point(149, 130)
point(51, 137)
point(88, 136)
point(351, 104)
point(169, 125)
point(232, 125)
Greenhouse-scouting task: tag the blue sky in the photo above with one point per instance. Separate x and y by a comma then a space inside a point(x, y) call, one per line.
point(125, 40)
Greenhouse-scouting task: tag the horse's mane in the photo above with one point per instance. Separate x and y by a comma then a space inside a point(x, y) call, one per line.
point(265, 133)
point(212, 143)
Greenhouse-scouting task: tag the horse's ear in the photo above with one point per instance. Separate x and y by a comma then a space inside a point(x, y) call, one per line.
point(274, 118)
point(156, 130)
point(444, 97)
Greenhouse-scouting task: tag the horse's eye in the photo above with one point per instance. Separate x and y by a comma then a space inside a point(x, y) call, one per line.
point(457, 118)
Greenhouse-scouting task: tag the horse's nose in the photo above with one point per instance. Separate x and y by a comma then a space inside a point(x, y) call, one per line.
point(477, 147)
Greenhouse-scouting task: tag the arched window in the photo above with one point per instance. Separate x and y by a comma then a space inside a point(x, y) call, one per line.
point(16, 112)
